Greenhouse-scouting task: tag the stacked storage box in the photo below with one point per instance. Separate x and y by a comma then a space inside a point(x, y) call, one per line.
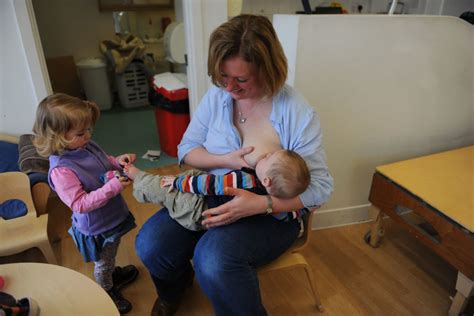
point(133, 86)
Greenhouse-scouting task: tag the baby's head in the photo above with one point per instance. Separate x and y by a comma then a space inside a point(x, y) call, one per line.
point(284, 173)
point(60, 119)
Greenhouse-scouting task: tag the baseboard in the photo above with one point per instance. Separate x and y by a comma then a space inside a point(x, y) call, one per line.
point(341, 216)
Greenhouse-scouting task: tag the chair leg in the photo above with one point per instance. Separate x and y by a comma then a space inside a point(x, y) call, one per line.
point(312, 283)
point(47, 251)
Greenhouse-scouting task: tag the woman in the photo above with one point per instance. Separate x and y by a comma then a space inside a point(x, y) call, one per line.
point(248, 113)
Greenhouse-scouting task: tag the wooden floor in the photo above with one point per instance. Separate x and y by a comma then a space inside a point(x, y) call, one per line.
point(401, 277)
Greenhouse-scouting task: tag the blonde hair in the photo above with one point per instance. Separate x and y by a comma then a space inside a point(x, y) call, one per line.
point(56, 115)
point(289, 174)
point(253, 38)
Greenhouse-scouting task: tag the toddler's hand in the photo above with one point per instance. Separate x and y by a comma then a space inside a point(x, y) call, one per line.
point(124, 181)
point(126, 159)
point(131, 171)
point(167, 181)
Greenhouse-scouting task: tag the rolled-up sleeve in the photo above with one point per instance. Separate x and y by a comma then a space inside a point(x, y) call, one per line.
point(299, 128)
point(309, 145)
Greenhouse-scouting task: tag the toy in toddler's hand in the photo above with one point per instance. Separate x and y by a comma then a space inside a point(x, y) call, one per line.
point(109, 175)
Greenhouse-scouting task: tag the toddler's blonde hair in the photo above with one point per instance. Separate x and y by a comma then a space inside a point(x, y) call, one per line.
point(56, 115)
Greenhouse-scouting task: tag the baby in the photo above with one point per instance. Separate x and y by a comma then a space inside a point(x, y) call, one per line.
point(283, 174)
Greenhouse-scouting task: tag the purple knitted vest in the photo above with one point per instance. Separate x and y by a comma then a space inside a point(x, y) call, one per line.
point(89, 163)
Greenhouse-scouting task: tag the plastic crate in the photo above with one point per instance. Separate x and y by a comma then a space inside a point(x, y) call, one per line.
point(133, 86)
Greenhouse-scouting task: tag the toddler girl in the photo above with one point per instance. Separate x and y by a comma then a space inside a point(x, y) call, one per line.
point(100, 216)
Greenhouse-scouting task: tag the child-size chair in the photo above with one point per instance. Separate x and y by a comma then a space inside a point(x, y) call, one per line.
point(24, 232)
point(292, 258)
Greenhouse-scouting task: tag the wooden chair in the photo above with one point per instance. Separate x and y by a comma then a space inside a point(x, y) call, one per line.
point(44, 200)
point(25, 232)
point(293, 259)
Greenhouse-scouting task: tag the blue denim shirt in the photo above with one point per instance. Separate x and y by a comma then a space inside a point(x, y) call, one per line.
point(294, 120)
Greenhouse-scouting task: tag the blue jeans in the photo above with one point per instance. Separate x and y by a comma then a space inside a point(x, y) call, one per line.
point(225, 258)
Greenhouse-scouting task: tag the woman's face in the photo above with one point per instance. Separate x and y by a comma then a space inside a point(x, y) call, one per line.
point(239, 79)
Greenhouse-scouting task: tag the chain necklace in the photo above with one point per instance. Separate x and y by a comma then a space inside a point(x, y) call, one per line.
point(242, 119)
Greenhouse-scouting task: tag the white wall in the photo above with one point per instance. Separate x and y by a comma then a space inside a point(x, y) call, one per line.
point(21, 81)
point(386, 89)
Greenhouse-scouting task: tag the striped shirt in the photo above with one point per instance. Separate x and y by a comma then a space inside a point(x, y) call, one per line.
point(214, 185)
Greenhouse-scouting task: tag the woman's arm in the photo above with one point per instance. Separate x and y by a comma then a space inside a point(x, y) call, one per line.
point(202, 159)
point(245, 204)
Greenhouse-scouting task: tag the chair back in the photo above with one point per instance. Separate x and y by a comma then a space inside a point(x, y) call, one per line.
point(9, 138)
point(16, 185)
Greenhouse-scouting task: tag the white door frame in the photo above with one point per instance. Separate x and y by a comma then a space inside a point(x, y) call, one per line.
point(33, 50)
point(201, 17)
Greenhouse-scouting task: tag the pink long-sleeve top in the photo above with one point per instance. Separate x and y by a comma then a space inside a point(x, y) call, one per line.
point(70, 191)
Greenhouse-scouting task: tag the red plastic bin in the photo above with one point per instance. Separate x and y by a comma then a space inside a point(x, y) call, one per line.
point(174, 95)
point(171, 127)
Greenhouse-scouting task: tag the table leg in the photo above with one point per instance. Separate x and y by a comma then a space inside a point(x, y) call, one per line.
point(377, 226)
point(465, 289)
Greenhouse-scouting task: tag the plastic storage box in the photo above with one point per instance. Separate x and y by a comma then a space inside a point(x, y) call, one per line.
point(132, 86)
point(95, 82)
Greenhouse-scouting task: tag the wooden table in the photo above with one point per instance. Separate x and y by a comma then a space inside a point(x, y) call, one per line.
point(58, 290)
point(432, 197)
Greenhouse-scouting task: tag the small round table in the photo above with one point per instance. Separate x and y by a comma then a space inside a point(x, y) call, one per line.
point(58, 290)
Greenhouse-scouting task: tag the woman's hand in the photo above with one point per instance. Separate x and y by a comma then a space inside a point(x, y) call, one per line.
point(236, 159)
point(243, 204)
point(126, 159)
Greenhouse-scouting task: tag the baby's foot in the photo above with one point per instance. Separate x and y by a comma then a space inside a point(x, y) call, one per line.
point(131, 171)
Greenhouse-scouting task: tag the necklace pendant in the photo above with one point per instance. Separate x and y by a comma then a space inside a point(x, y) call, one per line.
point(242, 119)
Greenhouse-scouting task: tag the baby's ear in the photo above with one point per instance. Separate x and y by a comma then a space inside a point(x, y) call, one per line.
point(267, 182)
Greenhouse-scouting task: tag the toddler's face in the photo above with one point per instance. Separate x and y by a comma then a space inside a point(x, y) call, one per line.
point(79, 137)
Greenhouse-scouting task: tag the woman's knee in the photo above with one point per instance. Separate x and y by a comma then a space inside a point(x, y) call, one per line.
point(213, 260)
point(144, 245)
point(147, 242)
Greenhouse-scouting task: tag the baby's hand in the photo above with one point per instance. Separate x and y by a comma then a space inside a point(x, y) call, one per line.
point(167, 181)
point(131, 171)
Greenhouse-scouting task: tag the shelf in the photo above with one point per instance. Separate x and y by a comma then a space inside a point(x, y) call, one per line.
point(121, 5)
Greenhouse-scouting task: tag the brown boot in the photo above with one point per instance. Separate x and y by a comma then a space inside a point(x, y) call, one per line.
point(123, 305)
point(164, 308)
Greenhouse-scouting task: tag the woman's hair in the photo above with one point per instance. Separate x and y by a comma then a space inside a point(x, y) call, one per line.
point(253, 38)
point(56, 115)
point(289, 174)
